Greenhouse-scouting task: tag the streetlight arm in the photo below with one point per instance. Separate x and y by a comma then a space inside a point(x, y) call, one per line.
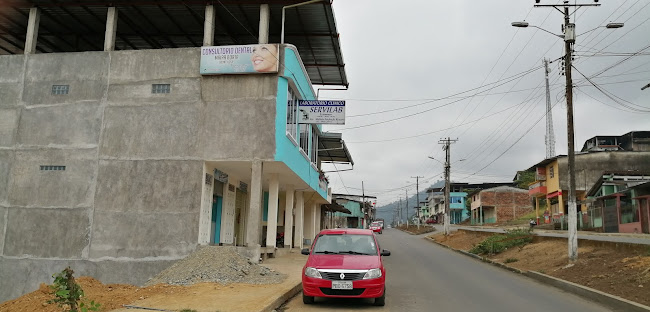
point(554, 34)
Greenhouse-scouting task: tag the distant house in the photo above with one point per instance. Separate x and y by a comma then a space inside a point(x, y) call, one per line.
point(618, 202)
point(458, 211)
point(638, 141)
point(551, 186)
point(499, 204)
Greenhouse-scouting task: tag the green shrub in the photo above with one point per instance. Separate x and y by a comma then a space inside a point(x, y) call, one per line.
point(500, 242)
point(68, 294)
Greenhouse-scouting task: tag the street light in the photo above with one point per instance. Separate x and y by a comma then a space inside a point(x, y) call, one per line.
point(569, 39)
point(645, 87)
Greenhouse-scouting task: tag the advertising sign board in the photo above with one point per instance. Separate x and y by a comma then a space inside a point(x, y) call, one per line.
point(240, 59)
point(321, 112)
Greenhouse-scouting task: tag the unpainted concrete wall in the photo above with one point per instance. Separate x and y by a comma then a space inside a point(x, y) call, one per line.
point(590, 167)
point(128, 202)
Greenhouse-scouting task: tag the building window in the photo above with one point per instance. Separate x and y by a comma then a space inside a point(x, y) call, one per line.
point(629, 211)
point(160, 88)
point(314, 145)
point(455, 200)
point(551, 171)
point(305, 129)
point(60, 89)
point(292, 116)
point(52, 168)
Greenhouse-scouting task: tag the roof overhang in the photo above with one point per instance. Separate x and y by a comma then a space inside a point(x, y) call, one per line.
point(80, 26)
point(334, 207)
point(332, 149)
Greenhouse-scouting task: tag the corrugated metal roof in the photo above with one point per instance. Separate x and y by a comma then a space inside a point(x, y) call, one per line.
point(79, 25)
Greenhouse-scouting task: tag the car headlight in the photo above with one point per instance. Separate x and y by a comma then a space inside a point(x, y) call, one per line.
point(372, 273)
point(312, 272)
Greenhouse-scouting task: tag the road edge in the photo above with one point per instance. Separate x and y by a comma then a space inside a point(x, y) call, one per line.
point(609, 300)
point(280, 300)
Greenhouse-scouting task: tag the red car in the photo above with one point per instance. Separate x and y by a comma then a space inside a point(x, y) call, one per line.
point(375, 227)
point(344, 263)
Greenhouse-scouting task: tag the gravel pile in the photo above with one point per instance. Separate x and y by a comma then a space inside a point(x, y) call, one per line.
point(216, 264)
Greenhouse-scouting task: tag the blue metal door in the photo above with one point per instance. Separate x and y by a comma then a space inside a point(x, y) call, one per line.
point(216, 217)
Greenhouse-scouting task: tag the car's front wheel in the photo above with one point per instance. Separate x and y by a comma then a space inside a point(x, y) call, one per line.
point(307, 299)
point(381, 301)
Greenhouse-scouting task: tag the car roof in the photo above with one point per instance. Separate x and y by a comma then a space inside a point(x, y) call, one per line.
point(346, 231)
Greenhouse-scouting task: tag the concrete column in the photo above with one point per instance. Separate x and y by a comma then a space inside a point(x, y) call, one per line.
point(111, 29)
point(308, 229)
point(537, 209)
point(253, 219)
point(299, 221)
point(314, 208)
point(288, 216)
point(32, 30)
point(317, 223)
point(272, 220)
point(208, 26)
point(265, 17)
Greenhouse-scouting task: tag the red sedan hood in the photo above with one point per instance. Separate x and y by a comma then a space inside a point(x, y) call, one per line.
point(348, 262)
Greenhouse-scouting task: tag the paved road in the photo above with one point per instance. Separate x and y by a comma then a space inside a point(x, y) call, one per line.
point(422, 276)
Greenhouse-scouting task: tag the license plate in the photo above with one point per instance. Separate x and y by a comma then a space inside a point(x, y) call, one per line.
point(341, 285)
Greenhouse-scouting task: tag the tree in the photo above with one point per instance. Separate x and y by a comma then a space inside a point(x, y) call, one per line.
point(525, 178)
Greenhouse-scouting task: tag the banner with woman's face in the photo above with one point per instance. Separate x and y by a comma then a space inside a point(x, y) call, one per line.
point(240, 59)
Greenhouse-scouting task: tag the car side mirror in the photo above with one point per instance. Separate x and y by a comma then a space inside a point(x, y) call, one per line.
point(305, 251)
point(385, 252)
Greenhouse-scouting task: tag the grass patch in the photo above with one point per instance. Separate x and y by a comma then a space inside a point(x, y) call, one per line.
point(511, 260)
point(187, 310)
point(500, 242)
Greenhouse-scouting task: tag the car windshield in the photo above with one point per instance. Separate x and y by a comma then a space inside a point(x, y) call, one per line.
point(352, 244)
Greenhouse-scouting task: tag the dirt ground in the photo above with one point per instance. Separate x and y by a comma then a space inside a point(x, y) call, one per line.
point(618, 269)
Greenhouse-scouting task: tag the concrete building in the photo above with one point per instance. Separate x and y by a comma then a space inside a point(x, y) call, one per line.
point(618, 203)
point(638, 141)
point(499, 204)
point(552, 180)
point(458, 205)
point(118, 155)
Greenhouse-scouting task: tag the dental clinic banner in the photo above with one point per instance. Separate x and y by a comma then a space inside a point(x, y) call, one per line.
point(240, 59)
point(321, 112)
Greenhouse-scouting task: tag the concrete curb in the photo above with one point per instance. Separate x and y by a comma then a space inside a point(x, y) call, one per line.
point(614, 302)
point(611, 301)
point(283, 298)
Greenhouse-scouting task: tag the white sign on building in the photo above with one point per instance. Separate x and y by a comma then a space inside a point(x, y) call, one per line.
point(321, 112)
point(240, 59)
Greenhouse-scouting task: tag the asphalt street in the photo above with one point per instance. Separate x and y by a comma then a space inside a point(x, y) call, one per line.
point(422, 276)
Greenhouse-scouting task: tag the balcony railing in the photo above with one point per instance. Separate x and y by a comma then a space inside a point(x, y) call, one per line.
point(536, 185)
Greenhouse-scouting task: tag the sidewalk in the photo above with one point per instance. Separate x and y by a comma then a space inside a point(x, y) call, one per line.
point(629, 238)
point(211, 297)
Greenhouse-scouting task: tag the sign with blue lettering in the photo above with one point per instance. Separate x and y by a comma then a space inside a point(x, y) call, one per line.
point(321, 112)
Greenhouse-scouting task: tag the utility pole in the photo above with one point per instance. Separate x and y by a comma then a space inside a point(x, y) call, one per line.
point(407, 208)
point(550, 136)
point(447, 142)
point(417, 196)
point(363, 203)
point(399, 212)
point(569, 40)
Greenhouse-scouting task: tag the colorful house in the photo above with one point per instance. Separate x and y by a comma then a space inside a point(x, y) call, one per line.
point(618, 202)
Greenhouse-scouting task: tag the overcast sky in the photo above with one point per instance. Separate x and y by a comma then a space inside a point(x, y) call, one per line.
point(413, 53)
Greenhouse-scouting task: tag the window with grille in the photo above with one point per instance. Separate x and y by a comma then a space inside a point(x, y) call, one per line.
point(160, 88)
point(314, 145)
point(305, 129)
point(60, 89)
point(292, 117)
point(52, 168)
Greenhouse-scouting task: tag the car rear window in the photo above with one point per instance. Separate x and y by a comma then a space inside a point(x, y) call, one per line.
point(353, 244)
